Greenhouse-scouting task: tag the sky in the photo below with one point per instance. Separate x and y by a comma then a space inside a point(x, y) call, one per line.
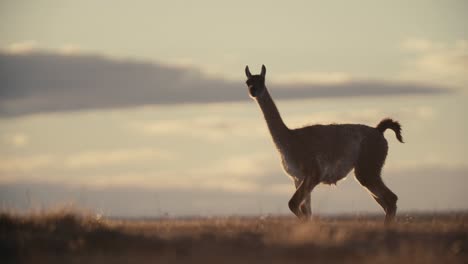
point(140, 108)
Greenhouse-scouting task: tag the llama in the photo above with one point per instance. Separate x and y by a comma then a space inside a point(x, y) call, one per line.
point(327, 153)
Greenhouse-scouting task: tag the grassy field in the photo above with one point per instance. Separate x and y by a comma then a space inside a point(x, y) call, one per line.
point(64, 237)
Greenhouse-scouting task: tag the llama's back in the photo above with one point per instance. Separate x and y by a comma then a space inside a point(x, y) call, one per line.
point(334, 139)
point(334, 148)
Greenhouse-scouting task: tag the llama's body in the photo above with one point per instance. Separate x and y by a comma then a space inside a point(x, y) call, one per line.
point(327, 153)
point(333, 150)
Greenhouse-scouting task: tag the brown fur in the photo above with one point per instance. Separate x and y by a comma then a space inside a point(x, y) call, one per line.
point(327, 153)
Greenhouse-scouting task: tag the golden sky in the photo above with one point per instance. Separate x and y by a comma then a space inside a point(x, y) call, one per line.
point(146, 100)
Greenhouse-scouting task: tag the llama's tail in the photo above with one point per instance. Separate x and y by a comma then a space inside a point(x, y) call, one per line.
point(393, 125)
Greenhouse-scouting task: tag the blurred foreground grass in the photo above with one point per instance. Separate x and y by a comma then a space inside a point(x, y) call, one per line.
point(67, 237)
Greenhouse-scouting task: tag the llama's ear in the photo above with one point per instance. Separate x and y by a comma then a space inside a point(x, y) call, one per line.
point(247, 72)
point(263, 71)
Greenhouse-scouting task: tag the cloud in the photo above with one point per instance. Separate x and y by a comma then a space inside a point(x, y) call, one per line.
point(323, 78)
point(210, 128)
point(16, 140)
point(43, 81)
point(182, 180)
point(23, 47)
point(25, 164)
point(246, 167)
point(239, 173)
point(418, 45)
point(411, 186)
point(70, 49)
point(369, 116)
point(436, 62)
point(31, 46)
point(110, 157)
point(81, 160)
point(430, 160)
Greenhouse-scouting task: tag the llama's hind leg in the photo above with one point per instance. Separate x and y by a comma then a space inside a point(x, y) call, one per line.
point(306, 208)
point(300, 196)
point(368, 170)
point(382, 194)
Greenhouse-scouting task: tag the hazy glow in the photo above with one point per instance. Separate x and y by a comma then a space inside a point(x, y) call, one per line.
point(443, 63)
point(192, 149)
point(188, 157)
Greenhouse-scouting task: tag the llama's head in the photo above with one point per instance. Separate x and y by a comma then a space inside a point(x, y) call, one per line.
point(256, 83)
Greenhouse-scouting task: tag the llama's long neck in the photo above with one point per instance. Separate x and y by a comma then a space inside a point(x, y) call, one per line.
point(278, 130)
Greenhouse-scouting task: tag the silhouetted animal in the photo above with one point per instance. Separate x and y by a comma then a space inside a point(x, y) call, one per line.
point(327, 153)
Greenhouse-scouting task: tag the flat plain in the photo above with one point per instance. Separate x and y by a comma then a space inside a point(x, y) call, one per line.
point(71, 237)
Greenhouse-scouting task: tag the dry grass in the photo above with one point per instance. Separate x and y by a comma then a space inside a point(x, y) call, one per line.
point(64, 237)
